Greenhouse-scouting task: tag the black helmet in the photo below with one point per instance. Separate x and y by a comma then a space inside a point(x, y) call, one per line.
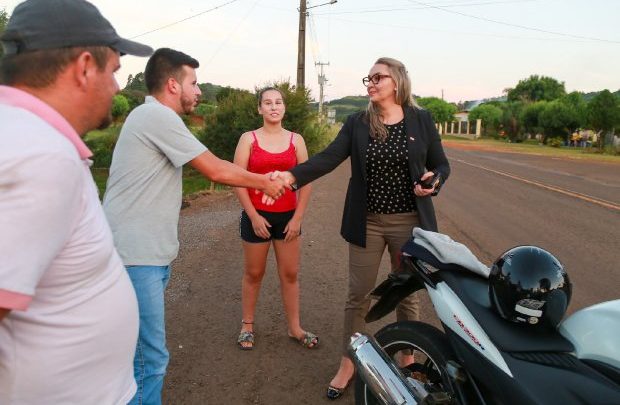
point(528, 285)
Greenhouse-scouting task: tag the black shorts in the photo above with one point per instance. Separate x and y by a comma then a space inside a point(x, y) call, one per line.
point(277, 220)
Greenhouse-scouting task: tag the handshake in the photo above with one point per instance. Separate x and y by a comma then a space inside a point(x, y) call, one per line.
point(276, 184)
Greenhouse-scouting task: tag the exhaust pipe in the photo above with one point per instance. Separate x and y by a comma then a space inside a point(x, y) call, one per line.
point(381, 375)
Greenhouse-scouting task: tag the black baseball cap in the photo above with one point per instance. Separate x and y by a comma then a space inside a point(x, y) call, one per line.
point(51, 24)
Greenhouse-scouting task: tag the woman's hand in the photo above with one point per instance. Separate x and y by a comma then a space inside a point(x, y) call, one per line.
point(423, 192)
point(293, 229)
point(260, 226)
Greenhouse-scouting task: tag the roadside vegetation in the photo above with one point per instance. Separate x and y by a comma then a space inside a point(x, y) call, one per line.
point(539, 109)
point(4, 18)
point(536, 116)
point(222, 115)
point(531, 147)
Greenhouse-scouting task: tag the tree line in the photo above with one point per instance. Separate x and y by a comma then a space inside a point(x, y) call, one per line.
point(536, 106)
point(4, 18)
point(539, 105)
point(222, 115)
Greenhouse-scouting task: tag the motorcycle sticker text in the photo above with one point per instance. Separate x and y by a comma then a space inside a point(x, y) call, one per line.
point(468, 332)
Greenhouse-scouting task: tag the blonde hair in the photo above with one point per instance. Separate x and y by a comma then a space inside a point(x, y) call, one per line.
point(399, 74)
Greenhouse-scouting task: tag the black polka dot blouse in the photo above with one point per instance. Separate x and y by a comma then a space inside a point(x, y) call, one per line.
point(390, 189)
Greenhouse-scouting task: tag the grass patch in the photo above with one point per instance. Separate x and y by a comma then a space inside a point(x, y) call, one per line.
point(533, 148)
point(101, 177)
point(102, 142)
point(193, 182)
point(456, 138)
point(97, 134)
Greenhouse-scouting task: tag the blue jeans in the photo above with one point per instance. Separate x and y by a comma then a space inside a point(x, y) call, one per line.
point(152, 356)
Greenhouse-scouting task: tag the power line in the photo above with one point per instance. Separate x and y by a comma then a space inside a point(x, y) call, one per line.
point(453, 32)
point(513, 25)
point(241, 21)
point(444, 8)
point(329, 35)
point(184, 19)
point(384, 10)
point(314, 41)
point(379, 10)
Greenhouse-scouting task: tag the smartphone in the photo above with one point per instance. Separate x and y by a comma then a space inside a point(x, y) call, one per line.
point(429, 183)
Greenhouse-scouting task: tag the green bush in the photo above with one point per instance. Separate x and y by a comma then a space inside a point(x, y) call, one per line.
point(318, 135)
point(490, 115)
point(237, 113)
point(134, 97)
point(203, 109)
point(102, 143)
point(440, 110)
point(120, 107)
point(611, 150)
point(555, 142)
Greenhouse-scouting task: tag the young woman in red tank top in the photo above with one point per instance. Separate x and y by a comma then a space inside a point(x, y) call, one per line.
point(265, 150)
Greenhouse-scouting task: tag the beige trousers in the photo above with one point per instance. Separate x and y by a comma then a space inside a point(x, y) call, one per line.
point(391, 230)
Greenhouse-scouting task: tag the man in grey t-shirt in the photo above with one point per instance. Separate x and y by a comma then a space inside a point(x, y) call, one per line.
point(143, 199)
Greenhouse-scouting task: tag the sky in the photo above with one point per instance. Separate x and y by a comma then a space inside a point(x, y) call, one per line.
point(461, 49)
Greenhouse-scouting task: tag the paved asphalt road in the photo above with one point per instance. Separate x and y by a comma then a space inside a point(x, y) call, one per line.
point(494, 201)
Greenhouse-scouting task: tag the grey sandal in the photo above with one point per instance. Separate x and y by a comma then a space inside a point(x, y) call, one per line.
point(309, 340)
point(246, 337)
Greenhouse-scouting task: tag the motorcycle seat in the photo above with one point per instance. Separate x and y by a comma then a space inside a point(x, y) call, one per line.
point(473, 291)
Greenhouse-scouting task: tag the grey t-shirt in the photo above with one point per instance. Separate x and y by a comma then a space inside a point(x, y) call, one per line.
point(143, 195)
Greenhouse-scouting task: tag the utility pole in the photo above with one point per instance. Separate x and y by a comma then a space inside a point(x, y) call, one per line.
point(301, 41)
point(301, 46)
point(322, 81)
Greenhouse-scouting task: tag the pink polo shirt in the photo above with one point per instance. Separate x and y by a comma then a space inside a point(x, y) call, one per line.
point(71, 333)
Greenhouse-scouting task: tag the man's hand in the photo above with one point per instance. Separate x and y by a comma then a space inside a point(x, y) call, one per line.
point(273, 189)
point(284, 178)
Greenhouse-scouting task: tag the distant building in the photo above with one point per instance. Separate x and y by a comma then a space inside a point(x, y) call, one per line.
point(331, 115)
point(461, 115)
point(467, 106)
point(461, 125)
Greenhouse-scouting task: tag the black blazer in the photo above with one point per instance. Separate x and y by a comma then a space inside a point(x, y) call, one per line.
point(425, 153)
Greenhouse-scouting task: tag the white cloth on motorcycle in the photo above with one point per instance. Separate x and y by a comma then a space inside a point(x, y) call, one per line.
point(462, 272)
point(445, 252)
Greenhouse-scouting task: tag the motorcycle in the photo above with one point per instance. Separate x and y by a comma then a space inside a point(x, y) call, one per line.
point(479, 357)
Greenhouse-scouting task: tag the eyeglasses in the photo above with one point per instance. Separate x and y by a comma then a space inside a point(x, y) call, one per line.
point(375, 79)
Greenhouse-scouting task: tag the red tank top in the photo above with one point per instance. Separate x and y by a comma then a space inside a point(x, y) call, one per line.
point(261, 162)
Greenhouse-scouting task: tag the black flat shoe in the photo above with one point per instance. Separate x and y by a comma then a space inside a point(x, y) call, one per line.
point(335, 393)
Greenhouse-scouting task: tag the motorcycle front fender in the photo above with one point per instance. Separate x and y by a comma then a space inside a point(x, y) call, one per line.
point(398, 285)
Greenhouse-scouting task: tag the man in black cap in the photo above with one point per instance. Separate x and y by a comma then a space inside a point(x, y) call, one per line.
point(68, 312)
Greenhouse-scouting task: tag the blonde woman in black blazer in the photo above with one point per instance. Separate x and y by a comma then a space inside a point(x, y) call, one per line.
point(393, 146)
